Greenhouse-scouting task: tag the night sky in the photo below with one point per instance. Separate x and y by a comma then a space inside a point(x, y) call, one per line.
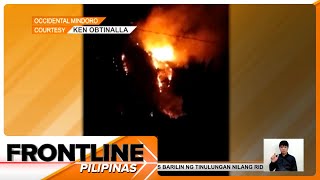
point(116, 104)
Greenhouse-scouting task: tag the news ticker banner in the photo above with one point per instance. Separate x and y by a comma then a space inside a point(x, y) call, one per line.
point(211, 166)
point(133, 157)
point(76, 25)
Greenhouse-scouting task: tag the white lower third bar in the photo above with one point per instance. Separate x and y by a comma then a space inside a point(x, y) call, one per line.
point(102, 29)
point(210, 167)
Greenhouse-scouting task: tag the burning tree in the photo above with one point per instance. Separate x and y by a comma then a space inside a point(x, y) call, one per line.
point(169, 103)
point(157, 71)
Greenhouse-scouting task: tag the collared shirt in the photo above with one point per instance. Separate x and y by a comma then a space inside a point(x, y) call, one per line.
point(284, 163)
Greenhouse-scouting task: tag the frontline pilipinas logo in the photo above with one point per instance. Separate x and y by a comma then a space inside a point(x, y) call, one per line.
point(111, 159)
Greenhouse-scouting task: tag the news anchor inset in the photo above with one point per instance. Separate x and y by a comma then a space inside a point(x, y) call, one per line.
point(283, 161)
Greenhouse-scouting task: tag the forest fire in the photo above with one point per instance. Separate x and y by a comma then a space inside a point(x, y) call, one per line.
point(163, 58)
point(171, 42)
point(160, 57)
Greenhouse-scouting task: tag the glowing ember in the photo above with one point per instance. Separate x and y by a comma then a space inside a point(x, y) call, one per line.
point(125, 67)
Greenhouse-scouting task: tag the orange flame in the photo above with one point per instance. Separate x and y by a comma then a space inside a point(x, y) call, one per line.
point(160, 57)
point(177, 35)
point(163, 54)
point(174, 36)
